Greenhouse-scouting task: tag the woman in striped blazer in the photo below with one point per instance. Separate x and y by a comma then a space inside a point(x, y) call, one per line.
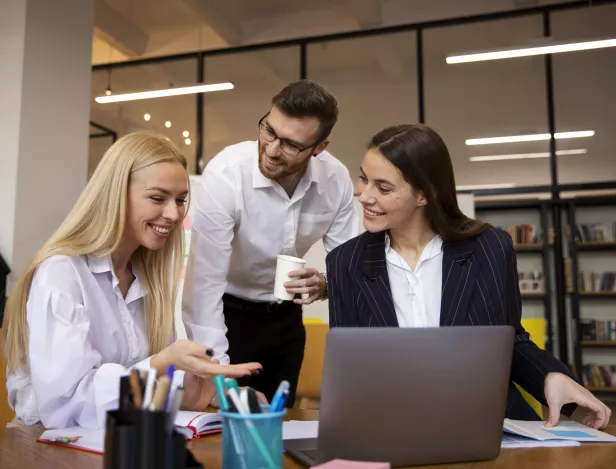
point(422, 263)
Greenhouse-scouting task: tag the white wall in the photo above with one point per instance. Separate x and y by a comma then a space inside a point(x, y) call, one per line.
point(12, 45)
point(45, 56)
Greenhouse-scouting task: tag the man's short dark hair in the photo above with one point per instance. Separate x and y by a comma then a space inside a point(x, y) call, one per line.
point(305, 98)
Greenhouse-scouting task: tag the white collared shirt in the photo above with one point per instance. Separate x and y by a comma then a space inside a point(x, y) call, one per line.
point(243, 220)
point(417, 294)
point(83, 336)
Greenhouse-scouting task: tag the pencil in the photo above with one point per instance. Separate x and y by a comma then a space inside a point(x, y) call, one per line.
point(158, 401)
point(135, 386)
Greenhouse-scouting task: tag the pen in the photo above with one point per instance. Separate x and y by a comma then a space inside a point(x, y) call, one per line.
point(135, 387)
point(244, 399)
point(283, 401)
point(237, 442)
point(176, 403)
point(170, 372)
point(275, 405)
point(149, 388)
point(219, 382)
point(158, 401)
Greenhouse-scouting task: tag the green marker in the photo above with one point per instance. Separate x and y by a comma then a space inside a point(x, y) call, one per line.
point(219, 382)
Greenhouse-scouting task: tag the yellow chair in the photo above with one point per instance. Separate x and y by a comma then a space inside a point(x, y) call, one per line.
point(536, 328)
point(6, 413)
point(309, 384)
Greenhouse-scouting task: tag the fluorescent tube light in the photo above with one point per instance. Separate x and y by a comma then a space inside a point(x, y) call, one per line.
point(510, 53)
point(521, 156)
point(164, 93)
point(479, 187)
point(529, 138)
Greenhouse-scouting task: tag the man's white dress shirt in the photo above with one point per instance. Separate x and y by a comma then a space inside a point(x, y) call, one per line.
point(417, 293)
point(243, 220)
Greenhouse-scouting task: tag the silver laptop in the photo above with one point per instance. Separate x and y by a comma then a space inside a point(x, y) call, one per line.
point(411, 396)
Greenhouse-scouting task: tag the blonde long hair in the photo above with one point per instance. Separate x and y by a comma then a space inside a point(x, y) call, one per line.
point(95, 227)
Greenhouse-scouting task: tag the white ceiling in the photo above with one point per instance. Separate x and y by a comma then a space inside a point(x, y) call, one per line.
point(130, 29)
point(374, 78)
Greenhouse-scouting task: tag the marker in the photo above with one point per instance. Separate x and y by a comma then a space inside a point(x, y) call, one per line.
point(275, 405)
point(253, 401)
point(232, 384)
point(219, 382)
point(209, 352)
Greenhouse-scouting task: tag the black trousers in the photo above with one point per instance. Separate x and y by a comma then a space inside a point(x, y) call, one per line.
point(271, 334)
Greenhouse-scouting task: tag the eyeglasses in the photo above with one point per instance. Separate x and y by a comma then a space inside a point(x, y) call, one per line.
point(286, 146)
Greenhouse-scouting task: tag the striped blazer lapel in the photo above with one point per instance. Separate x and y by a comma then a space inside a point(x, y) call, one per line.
point(460, 267)
point(374, 282)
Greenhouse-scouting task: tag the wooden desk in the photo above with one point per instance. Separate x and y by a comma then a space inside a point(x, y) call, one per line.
point(19, 450)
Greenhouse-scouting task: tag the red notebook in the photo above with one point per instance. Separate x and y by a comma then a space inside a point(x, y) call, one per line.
point(190, 424)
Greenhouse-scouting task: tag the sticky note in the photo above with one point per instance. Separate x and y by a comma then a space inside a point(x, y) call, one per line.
point(344, 464)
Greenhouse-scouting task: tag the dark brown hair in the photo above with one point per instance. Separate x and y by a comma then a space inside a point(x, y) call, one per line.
point(305, 98)
point(423, 159)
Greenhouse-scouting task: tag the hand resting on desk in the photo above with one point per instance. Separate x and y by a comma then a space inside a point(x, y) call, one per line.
point(559, 390)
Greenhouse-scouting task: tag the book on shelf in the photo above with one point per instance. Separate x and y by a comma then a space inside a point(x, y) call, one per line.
point(531, 282)
point(599, 330)
point(591, 282)
point(595, 232)
point(568, 266)
point(599, 376)
point(528, 234)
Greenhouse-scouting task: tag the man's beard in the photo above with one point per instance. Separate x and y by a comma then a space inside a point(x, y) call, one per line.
point(279, 171)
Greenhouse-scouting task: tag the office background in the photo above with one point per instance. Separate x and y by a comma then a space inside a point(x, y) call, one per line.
point(385, 62)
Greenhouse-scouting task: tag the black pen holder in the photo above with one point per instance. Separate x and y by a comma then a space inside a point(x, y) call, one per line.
point(140, 439)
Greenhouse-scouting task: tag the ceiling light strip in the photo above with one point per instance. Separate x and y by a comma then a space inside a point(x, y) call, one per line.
point(529, 138)
point(530, 51)
point(521, 156)
point(164, 93)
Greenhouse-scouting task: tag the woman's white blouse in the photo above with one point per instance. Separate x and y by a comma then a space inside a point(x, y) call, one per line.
point(83, 336)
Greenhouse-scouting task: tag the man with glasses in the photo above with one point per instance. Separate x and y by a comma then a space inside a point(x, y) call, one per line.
point(255, 200)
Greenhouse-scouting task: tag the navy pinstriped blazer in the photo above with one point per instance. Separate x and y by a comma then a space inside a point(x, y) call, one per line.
point(480, 287)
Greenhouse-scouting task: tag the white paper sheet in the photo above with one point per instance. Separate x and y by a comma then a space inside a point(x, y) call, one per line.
point(563, 431)
point(294, 429)
point(514, 441)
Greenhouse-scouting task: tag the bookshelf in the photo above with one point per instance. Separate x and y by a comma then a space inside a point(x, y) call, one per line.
point(598, 343)
point(590, 234)
point(530, 249)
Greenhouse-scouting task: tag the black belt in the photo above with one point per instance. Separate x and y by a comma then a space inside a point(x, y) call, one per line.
point(264, 307)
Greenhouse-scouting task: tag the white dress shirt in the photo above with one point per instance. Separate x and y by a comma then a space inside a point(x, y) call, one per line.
point(83, 336)
point(243, 220)
point(417, 294)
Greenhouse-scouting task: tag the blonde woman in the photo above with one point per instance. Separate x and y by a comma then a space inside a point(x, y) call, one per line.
point(98, 297)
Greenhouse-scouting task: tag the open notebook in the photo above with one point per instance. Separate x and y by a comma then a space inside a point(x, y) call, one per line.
point(189, 424)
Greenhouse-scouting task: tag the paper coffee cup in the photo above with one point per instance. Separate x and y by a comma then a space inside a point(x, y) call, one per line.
point(284, 265)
